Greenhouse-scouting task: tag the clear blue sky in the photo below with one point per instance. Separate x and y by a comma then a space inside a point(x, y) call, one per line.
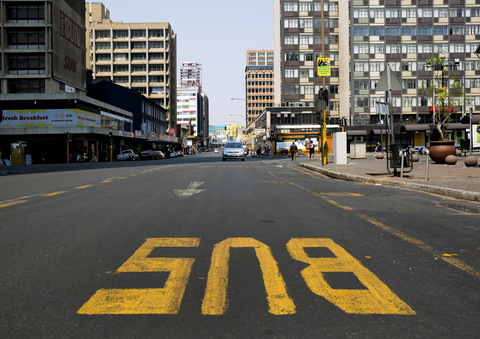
point(215, 33)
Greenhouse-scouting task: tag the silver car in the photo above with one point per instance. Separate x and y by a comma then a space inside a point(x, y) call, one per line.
point(233, 150)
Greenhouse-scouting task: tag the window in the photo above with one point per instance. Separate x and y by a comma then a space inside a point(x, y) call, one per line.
point(425, 12)
point(120, 45)
point(155, 33)
point(25, 13)
point(457, 48)
point(409, 48)
point(440, 48)
point(472, 30)
point(156, 68)
point(139, 68)
point(361, 66)
point(360, 13)
point(361, 102)
point(409, 30)
point(119, 68)
point(291, 90)
point(306, 73)
point(377, 13)
point(156, 44)
point(409, 83)
point(26, 63)
point(425, 48)
point(409, 101)
point(440, 12)
point(156, 56)
point(457, 12)
point(122, 34)
point(424, 30)
point(333, 7)
point(291, 40)
point(394, 48)
point(120, 56)
point(360, 49)
point(103, 68)
point(291, 73)
point(472, 12)
point(138, 79)
point(291, 56)
point(392, 30)
point(377, 48)
point(290, 7)
point(306, 56)
point(26, 38)
point(138, 33)
point(376, 30)
point(360, 84)
point(360, 30)
point(102, 34)
point(158, 90)
point(157, 78)
point(457, 30)
point(376, 66)
point(138, 56)
point(291, 23)
point(305, 7)
point(410, 66)
point(306, 23)
point(139, 45)
point(120, 80)
point(26, 86)
point(409, 13)
point(440, 30)
point(102, 45)
point(306, 39)
point(102, 56)
point(392, 13)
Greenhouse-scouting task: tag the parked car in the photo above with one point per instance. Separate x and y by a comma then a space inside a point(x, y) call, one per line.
point(179, 153)
point(158, 155)
point(233, 150)
point(147, 155)
point(215, 150)
point(173, 154)
point(128, 154)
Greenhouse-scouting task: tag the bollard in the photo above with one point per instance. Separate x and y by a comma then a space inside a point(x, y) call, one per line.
point(402, 153)
point(426, 165)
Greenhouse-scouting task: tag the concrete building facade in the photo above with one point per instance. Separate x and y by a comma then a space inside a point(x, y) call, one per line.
point(140, 56)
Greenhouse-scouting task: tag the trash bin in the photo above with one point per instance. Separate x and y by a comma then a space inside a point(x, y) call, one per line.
point(358, 150)
point(395, 157)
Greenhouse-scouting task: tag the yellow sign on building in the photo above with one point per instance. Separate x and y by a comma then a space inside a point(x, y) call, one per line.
point(323, 67)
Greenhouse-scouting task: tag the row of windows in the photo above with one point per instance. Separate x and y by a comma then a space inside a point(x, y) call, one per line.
point(133, 45)
point(309, 7)
point(309, 39)
point(134, 68)
point(134, 33)
point(414, 48)
point(260, 83)
point(25, 13)
point(259, 76)
point(26, 63)
point(133, 56)
point(136, 79)
point(412, 66)
point(416, 12)
point(26, 86)
point(26, 38)
point(409, 30)
point(309, 56)
point(404, 101)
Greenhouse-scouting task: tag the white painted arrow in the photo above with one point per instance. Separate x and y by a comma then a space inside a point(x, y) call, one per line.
point(191, 190)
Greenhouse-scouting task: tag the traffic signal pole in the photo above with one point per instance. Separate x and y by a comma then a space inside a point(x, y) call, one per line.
point(324, 123)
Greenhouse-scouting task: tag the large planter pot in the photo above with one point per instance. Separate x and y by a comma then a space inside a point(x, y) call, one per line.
point(439, 150)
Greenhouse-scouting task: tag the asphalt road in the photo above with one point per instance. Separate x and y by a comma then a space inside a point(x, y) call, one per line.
point(199, 248)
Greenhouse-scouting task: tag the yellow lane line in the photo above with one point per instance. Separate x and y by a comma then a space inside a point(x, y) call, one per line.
point(53, 193)
point(82, 187)
point(133, 175)
point(105, 181)
point(411, 240)
point(11, 203)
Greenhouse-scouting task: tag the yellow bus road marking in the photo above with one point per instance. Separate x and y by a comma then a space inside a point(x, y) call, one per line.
point(215, 300)
point(82, 187)
point(373, 298)
point(11, 203)
point(164, 300)
point(133, 175)
point(53, 193)
point(342, 194)
point(412, 240)
point(105, 181)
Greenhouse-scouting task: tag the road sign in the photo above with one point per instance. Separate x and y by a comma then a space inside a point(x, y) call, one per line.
point(323, 67)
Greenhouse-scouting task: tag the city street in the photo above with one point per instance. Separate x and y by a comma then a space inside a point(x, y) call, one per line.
point(194, 247)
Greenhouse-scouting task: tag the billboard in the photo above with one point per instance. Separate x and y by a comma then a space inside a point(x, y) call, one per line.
point(49, 118)
point(68, 45)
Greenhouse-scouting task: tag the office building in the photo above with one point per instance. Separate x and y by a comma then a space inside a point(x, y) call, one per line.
point(191, 75)
point(140, 56)
point(259, 83)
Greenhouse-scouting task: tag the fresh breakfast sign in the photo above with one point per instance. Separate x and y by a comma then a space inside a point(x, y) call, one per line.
point(49, 118)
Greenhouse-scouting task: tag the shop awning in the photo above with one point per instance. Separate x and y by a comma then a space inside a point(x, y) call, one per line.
point(415, 128)
point(359, 132)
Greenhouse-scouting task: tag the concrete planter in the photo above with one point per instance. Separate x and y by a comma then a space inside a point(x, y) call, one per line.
point(439, 150)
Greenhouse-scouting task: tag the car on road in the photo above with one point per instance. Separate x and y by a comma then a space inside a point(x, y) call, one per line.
point(147, 155)
point(158, 155)
point(128, 154)
point(233, 150)
point(215, 150)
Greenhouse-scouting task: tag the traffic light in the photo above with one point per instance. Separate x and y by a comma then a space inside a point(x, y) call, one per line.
point(110, 134)
point(272, 133)
point(324, 95)
point(69, 136)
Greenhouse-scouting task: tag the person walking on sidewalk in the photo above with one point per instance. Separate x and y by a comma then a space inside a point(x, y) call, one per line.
point(312, 150)
point(293, 150)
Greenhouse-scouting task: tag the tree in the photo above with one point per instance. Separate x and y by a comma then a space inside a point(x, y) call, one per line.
point(445, 92)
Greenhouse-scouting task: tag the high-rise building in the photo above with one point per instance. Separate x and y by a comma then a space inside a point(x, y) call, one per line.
point(141, 56)
point(43, 44)
point(259, 83)
point(191, 75)
point(360, 38)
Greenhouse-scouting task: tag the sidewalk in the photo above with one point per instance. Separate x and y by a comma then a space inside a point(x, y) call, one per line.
point(457, 181)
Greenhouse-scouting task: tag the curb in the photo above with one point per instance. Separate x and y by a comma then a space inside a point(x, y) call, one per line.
point(445, 191)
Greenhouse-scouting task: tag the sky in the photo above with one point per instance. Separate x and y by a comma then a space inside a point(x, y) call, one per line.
point(214, 33)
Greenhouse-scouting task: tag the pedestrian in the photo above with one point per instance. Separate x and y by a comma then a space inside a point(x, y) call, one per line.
point(312, 150)
point(293, 150)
